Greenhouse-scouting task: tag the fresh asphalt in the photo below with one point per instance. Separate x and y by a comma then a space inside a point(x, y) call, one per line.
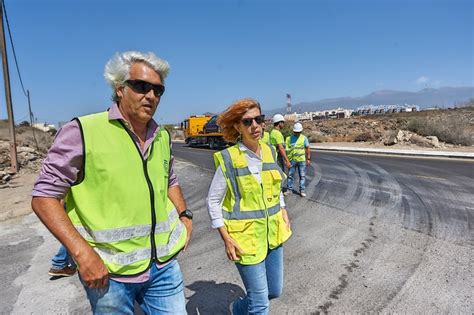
point(375, 234)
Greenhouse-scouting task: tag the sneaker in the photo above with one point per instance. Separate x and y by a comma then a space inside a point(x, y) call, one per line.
point(286, 193)
point(63, 272)
point(303, 194)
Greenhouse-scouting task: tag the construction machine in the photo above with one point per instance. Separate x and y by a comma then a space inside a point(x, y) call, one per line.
point(202, 130)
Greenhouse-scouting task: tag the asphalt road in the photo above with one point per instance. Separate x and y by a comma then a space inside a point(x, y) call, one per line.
point(375, 234)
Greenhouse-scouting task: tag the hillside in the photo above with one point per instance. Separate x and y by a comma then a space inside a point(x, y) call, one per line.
point(450, 127)
point(428, 97)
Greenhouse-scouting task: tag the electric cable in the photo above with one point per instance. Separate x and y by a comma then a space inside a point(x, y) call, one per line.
point(13, 48)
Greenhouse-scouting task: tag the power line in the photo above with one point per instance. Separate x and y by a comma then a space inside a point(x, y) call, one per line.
point(13, 48)
point(27, 92)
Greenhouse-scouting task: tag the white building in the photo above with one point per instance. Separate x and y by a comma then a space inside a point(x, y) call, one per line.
point(325, 114)
point(44, 127)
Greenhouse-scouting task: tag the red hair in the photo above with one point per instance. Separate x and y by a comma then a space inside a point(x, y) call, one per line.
point(233, 115)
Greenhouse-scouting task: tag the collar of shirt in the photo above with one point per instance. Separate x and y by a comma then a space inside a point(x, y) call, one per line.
point(152, 128)
point(249, 152)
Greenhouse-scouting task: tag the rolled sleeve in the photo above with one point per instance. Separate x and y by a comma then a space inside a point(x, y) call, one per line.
point(172, 179)
point(62, 164)
point(214, 199)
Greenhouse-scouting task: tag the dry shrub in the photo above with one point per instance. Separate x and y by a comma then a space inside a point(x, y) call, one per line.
point(316, 137)
point(450, 129)
point(364, 137)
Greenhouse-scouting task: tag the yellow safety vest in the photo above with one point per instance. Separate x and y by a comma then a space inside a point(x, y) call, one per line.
point(296, 152)
point(265, 137)
point(251, 210)
point(121, 205)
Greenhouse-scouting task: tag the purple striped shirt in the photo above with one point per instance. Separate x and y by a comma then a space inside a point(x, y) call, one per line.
point(64, 165)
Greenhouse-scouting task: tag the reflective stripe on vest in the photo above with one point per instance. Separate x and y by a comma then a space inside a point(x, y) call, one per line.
point(296, 152)
point(126, 233)
point(124, 259)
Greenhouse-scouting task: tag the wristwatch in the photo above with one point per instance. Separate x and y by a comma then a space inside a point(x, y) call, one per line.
point(186, 213)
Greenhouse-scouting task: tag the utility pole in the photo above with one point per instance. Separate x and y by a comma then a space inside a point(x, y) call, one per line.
point(31, 119)
point(8, 96)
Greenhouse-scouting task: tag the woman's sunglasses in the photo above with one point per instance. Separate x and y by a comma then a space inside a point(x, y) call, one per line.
point(248, 121)
point(144, 87)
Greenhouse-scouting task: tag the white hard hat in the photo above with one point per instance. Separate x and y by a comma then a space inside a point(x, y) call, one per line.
point(298, 127)
point(277, 118)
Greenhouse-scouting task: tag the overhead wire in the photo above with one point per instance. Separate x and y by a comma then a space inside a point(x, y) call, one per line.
point(27, 92)
point(13, 48)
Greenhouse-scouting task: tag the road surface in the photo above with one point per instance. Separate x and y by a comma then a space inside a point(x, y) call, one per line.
point(375, 234)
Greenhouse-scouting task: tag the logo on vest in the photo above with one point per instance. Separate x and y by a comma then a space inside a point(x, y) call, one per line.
point(166, 166)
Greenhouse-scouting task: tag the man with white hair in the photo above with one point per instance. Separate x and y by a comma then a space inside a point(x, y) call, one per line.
point(126, 219)
point(299, 153)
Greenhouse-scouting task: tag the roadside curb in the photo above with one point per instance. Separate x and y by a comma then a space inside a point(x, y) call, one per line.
point(420, 153)
point(441, 154)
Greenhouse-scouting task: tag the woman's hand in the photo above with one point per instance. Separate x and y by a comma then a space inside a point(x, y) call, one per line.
point(286, 218)
point(232, 249)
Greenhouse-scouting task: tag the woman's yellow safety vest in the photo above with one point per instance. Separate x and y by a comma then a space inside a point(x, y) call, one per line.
point(121, 205)
point(296, 152)
point(251, 210)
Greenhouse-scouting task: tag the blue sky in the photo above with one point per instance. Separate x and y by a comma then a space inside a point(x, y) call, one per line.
point(220, 51)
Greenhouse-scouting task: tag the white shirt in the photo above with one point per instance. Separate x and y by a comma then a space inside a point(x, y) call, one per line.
point(218, 187)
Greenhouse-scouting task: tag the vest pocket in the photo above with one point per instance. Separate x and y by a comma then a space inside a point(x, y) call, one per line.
point(278, 231)
point(276, 187)
point(246, 184)
point(243, 232)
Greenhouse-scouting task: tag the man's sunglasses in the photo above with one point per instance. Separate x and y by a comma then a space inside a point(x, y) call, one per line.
point(144, 87)
point(248, 121)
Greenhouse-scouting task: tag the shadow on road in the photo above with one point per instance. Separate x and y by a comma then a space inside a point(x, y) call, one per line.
point(212, 298)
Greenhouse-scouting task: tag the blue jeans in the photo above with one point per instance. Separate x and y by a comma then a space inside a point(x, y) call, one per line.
point(263, 282)
point(161, 294)
point(62, 259)
point(301, 173)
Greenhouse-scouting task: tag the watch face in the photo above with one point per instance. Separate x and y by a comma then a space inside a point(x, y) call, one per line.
point(186, 213)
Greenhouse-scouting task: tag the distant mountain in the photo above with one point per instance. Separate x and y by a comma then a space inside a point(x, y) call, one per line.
point(429, 97)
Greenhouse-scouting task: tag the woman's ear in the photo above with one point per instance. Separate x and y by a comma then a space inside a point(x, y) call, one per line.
point(237, 127)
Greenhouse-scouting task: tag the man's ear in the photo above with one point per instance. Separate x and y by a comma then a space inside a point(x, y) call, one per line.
point(119, 91)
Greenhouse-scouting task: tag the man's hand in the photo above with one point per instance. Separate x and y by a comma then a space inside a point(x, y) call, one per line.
point(308, 162)
point(92, 270)
point(288, 164)
point(188, 223)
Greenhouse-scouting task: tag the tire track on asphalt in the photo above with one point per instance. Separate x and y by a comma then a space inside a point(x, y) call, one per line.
point(414, 268)
point(349, 268)
point(374, 189)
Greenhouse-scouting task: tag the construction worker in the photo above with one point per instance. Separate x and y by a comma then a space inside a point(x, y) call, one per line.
point(265, 135)
point(299, 153)
point(277, 140)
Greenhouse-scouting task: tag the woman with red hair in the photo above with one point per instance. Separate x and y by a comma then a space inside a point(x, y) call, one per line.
point(247, 207)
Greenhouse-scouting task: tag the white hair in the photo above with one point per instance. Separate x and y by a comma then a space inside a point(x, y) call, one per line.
point(118, 68)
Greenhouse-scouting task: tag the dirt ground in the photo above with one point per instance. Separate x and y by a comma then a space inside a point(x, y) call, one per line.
point(16, 198)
